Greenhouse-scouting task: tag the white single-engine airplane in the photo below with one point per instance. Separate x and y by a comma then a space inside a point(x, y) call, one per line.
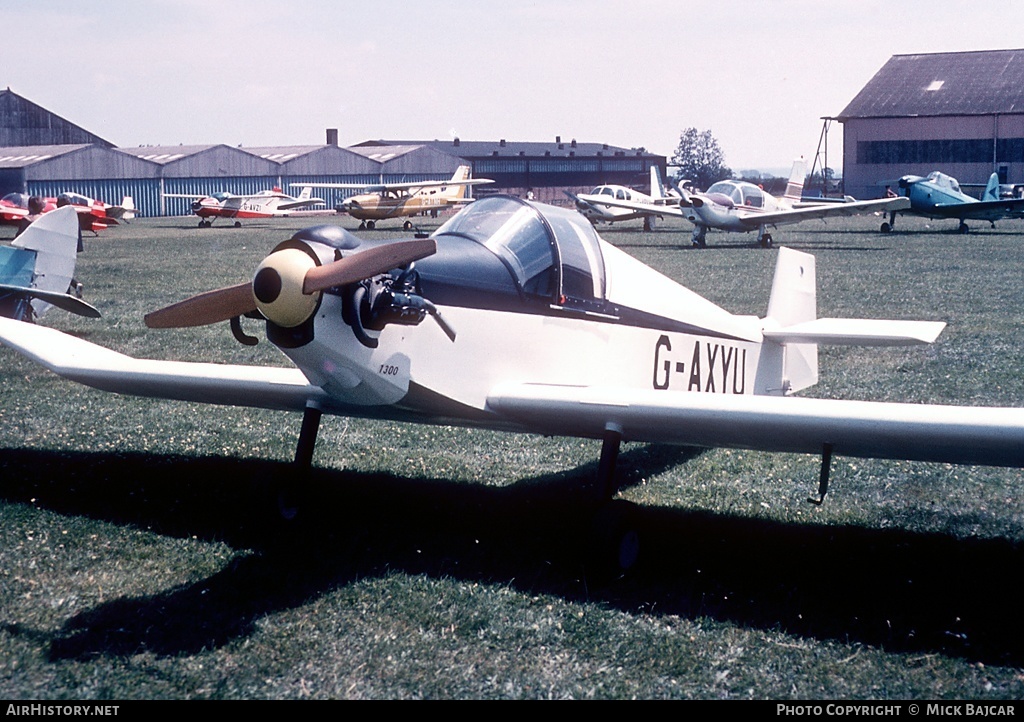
point(594, 205)
point(265, 204)
point(400, 200)
point(37, 270)
point(741, 207)
point(537, 325)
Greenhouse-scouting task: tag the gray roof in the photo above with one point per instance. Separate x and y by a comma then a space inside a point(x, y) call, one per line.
point(507, 148)
point(970, 83)
point(25, 155)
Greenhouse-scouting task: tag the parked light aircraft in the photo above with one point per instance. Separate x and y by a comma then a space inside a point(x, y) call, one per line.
point(265, 204)
point(37, 269)
point(939, 196)
point(93, 215)
point(741, 207)
point(401, 200)
point(538, 326)
point(594, 207)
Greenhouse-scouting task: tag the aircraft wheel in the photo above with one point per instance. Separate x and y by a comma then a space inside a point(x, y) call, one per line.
point(238, 224)
point(963, 227)
point(371, 225)
point(202, 224)
point(886, 228)
point(766, 240)
point(407, 225)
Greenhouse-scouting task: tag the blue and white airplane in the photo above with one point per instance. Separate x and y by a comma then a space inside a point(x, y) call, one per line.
point(939, 196)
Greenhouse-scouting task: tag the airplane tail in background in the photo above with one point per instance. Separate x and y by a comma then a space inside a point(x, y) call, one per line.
point(657, 186)
point(128, 208)
point(795, 186)
point(992, 189)
point(306, 194)
point(461, 191)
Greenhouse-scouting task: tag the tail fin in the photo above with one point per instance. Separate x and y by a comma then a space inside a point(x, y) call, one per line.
point(792, 330)
point(306, 194)
point(789, 367)
point(54, 238)
point(992, 189)
point(128, 206)
point(462, 190)
point(657, 186)
point(795, 186)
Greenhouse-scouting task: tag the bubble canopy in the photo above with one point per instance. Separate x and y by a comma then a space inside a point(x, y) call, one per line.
point(551, 252)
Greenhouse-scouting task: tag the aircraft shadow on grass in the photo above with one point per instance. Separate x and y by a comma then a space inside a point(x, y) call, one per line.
point(904, 591)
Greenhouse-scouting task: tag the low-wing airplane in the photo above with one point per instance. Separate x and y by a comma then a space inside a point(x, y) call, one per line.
point(93, 215)
point(402, 200)
point(939, 196)
point(37, 269)
point(265, 204)
point(741, 207)
point(538, 326)
point(594, 206)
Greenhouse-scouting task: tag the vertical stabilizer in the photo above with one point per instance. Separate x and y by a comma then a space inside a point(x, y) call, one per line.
point(459, 191)
point(795, 186)
point(789, 367)
point(54, 238)
point(992, 189)
point(657, 186)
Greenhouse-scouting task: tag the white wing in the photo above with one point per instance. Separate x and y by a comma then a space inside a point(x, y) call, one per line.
point(920, 432)
point(92, 365)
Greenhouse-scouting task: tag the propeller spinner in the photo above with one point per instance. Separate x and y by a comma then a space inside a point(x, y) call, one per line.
point(286, 285)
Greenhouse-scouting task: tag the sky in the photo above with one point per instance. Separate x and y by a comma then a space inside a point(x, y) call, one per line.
point(633, 73)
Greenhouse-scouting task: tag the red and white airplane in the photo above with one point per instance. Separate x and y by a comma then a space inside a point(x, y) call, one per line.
point(93, 215)
point(265, 204)
point(538, 326)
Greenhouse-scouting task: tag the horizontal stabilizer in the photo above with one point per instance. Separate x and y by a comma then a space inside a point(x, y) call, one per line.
point(857, 332)
point(66, 301)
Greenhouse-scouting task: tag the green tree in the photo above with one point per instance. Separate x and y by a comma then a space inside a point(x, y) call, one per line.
point(700, 159)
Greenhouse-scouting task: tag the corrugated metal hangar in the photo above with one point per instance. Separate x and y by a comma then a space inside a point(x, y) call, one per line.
point(959, 113)
point(71, 159)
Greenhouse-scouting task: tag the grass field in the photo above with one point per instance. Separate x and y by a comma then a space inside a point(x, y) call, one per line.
point(136, 561)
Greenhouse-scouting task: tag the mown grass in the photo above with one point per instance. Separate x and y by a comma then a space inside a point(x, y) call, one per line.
point(137, 559)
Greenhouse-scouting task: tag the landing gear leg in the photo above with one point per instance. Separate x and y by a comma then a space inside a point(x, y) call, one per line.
point(826, 467)
point(614, 545)
point(290, 497)
point(699, 234)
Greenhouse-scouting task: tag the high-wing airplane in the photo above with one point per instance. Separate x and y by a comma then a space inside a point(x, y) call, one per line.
point(741, 207)
point(37, 269)
point(93, 215)
point(517, 316)
point(401, 200)
point(594, 207)
point(939, 196)
point(265, 204)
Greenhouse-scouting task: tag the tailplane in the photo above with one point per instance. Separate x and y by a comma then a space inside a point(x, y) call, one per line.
point(792, 330)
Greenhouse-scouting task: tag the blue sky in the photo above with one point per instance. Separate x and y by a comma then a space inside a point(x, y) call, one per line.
point(631, 72)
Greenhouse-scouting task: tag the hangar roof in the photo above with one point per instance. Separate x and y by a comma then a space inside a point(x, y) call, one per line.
point(25, 155)
point(982, 82)
point(506, 148)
